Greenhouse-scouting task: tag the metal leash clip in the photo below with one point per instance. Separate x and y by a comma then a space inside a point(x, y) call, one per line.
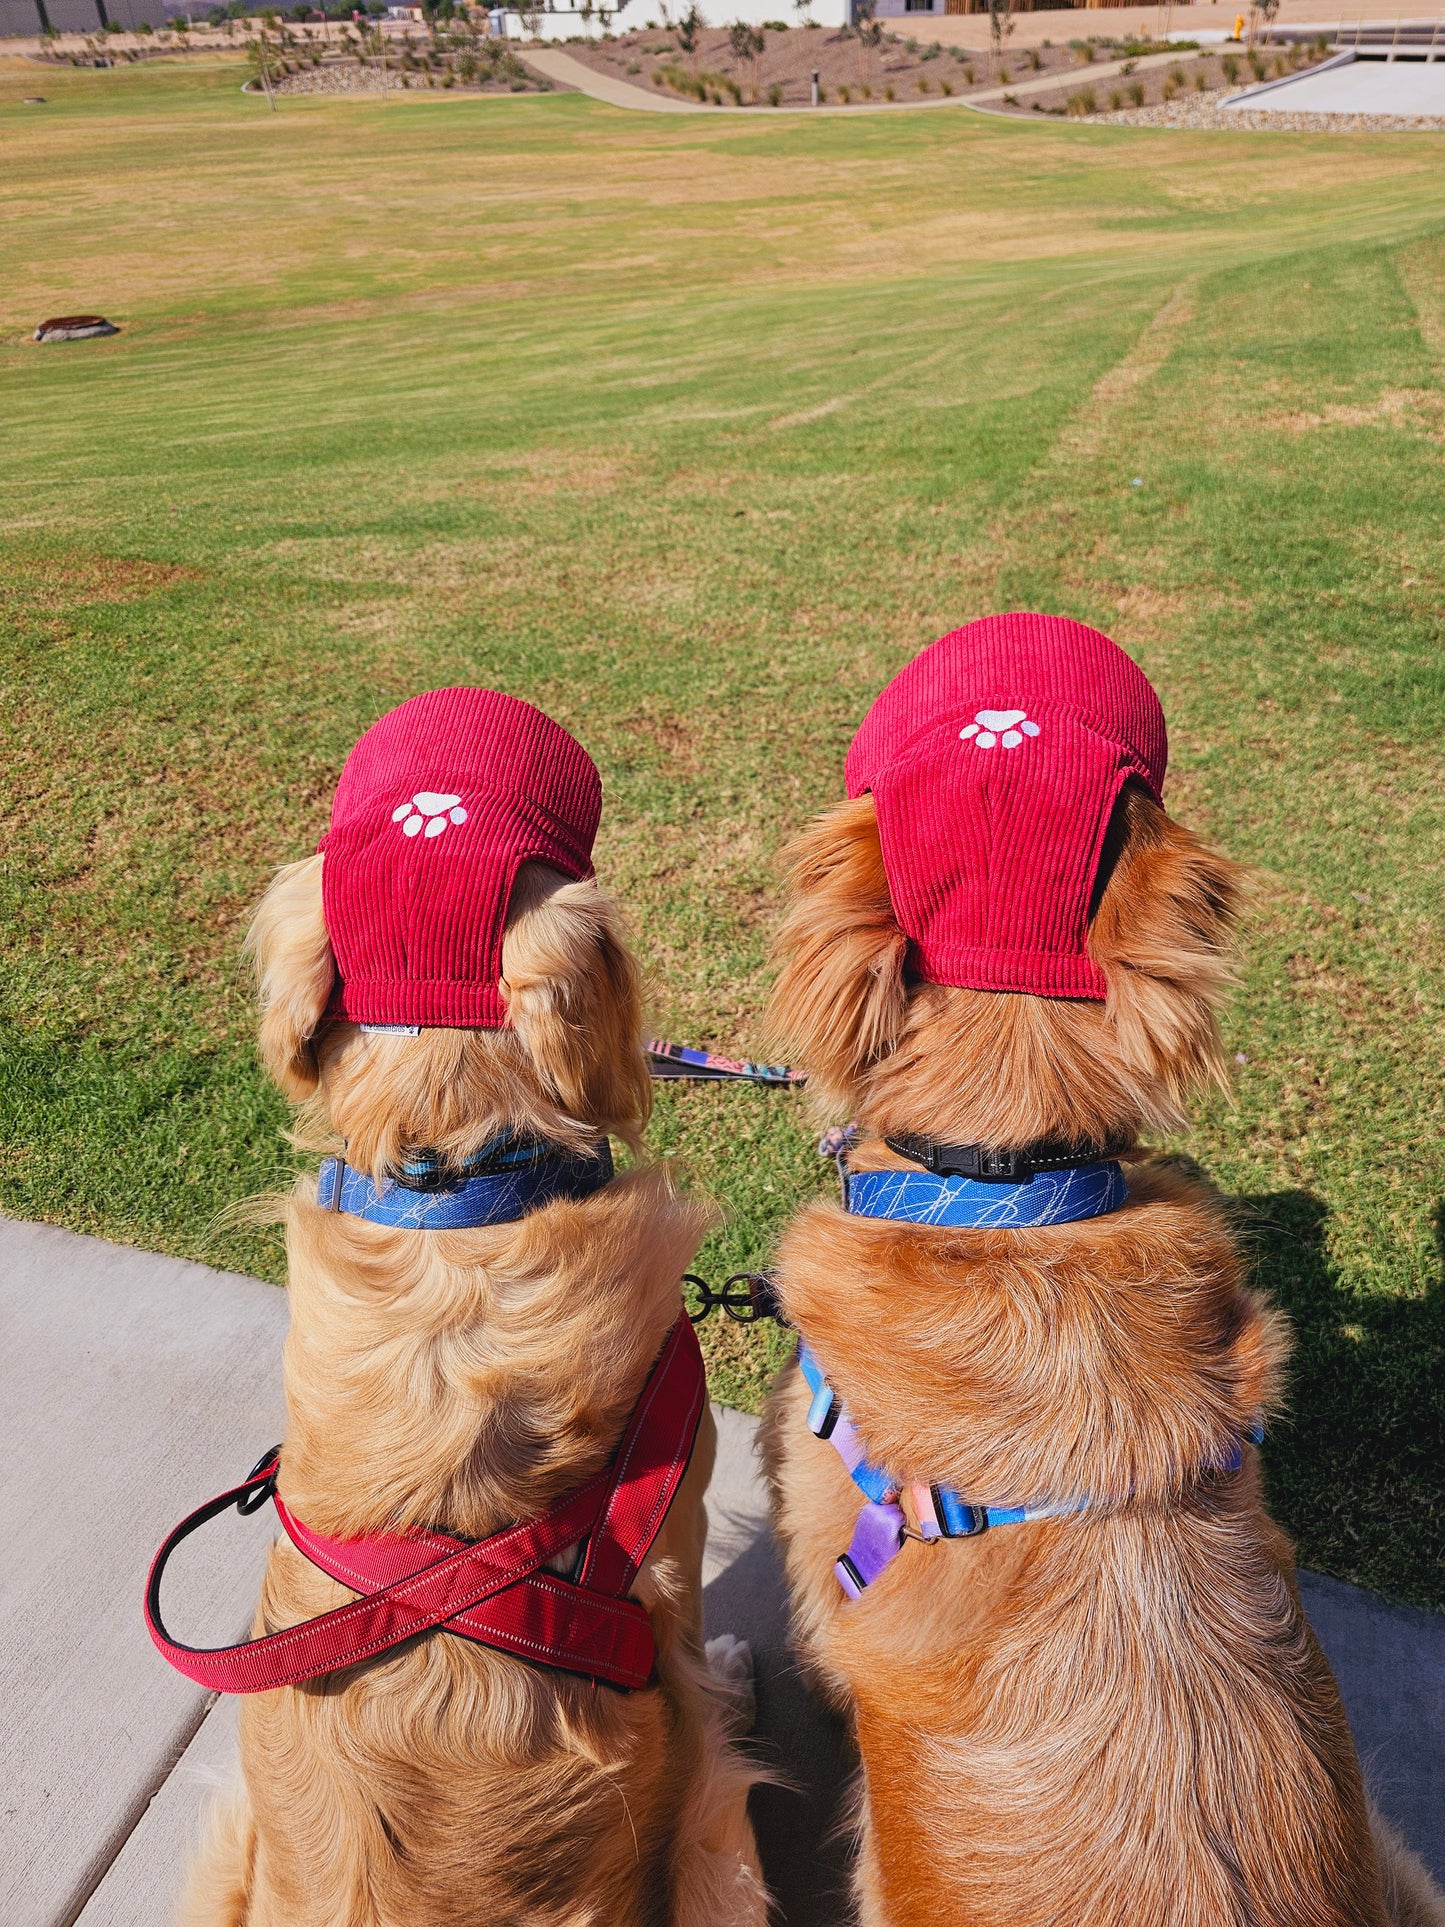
point(745, 1297)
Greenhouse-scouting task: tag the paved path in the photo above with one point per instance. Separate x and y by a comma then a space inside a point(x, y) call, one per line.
point(133, 1386)
point(1353, 87)
point(571, 72)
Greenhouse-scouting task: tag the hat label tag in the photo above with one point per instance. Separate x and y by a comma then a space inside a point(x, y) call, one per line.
point(434, 808)
point(992, 726)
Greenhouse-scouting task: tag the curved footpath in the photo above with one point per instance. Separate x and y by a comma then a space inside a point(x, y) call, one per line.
point(571, 72)
point(133, 1386)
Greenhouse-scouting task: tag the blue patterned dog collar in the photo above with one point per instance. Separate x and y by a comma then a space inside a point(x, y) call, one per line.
point(1049, 1197)
point(517, 1179)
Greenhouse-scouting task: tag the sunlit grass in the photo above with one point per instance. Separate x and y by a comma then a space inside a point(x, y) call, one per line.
point(693, 431)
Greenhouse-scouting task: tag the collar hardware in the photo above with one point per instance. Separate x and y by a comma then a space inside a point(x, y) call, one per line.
point(988, 1164)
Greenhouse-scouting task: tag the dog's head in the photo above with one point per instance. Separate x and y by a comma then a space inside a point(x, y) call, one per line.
point(999, 1067)
point(568, 1066)
point(454, 894)
point(1001, 936)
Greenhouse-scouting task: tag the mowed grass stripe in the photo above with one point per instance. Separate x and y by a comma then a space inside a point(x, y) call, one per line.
point(693, 431)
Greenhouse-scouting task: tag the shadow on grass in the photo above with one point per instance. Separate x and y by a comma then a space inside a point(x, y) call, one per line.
point(1356, 1465)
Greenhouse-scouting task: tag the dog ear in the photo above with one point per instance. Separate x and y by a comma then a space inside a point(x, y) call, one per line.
point(295, 971)
point(840, 999)
point(1162, 933)
point(574, 996)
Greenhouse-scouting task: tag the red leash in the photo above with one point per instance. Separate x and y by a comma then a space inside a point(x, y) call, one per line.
point(490, 1590)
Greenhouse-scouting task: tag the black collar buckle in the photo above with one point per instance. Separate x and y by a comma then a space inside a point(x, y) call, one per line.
point(986, 1164)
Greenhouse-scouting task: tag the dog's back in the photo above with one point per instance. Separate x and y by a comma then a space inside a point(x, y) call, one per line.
point(1116, 1716)
point(463, 1379)
point(1110, 1710)
point(472, 1382)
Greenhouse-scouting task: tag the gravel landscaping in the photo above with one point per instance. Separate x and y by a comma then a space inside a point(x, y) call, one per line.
point(854, 68)
point(1208, 110)
point(351, 76)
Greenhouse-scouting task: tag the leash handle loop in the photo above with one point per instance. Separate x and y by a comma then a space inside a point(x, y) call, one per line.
point(378, 1620)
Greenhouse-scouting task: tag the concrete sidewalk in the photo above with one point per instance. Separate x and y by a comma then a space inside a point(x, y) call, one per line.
point(133, 1386)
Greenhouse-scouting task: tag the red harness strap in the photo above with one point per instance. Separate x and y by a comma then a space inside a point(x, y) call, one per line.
point(490, 1590)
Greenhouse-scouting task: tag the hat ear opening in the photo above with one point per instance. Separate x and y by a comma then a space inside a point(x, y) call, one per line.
point(840, 999)
point(573, 992)
point(1162, 932)
point(295, 971)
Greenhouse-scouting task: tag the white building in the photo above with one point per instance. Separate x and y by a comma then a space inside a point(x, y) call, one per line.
point(566, 19)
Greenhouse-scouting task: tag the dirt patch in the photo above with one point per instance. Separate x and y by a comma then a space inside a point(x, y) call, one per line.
point(1084, 434)
point(672, 741)
point(1419, 408)
point(60, 581)
point(853, 68)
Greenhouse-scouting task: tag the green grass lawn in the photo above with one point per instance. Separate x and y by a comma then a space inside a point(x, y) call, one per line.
point(693, 431)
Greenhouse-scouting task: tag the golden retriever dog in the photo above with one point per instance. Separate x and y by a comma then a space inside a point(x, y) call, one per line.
point(464, 1379)
point(1117, 1716)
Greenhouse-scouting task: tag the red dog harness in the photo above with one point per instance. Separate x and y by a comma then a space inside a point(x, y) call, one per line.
point(490, 1590)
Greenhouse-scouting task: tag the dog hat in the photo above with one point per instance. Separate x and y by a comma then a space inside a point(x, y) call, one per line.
point(994, 760)
point(438, 806)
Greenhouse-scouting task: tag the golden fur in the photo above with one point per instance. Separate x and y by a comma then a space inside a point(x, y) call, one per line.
point(1122, 1718)
point(466, 1379)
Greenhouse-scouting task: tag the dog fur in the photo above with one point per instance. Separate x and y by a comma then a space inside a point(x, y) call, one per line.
point(1115, 1719)
point(466, 1379)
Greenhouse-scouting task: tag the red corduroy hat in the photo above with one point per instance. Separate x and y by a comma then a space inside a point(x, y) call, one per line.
point(438, 806)
point(995, 759)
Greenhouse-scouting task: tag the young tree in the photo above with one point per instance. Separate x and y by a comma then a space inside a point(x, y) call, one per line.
point(689, 32)
point(870, 37)
point(258, 55)
point(1000, 26)
point(748, 43)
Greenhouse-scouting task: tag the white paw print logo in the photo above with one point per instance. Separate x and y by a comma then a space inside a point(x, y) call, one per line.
point(993, 726)
point(431, 808)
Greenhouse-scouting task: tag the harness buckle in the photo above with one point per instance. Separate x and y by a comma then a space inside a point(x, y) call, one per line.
point(823, 1412)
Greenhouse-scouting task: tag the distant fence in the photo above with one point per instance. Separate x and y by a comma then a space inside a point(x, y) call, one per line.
point(80, 16)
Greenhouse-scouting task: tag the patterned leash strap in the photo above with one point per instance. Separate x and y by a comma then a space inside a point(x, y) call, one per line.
point(706, 1066)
